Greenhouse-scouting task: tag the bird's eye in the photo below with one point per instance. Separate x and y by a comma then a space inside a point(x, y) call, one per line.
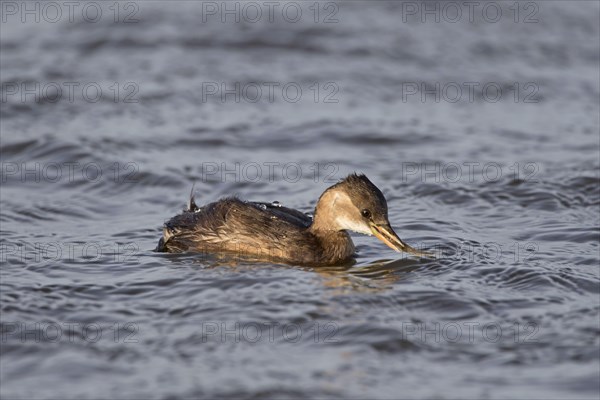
point(366, 213)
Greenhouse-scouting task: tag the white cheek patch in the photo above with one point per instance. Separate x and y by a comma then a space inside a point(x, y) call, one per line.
point(354, 226)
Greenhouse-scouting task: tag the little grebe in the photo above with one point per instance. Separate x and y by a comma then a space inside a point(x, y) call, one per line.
point(270, 231)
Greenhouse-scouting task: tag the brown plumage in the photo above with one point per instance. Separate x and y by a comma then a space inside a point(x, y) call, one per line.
point(270, 231)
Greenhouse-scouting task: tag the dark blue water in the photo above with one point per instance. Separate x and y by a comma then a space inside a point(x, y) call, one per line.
point(482, 131)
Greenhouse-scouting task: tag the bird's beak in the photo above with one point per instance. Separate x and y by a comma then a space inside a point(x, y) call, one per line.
point(386, 234)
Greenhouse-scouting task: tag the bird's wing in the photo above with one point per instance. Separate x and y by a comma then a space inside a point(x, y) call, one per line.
point(290, 215)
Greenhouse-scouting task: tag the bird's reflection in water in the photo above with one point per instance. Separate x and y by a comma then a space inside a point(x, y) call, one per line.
point(374, 276)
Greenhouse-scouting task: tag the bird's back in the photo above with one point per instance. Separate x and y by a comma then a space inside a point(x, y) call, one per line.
point(247, 228)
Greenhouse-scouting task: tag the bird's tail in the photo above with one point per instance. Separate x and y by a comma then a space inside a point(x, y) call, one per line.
point(191, 206)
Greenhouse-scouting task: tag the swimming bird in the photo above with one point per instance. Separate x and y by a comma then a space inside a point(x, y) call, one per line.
point(271, 231)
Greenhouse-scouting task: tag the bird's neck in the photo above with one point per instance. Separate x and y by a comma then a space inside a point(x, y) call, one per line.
point(324, 214)
point(336, 245)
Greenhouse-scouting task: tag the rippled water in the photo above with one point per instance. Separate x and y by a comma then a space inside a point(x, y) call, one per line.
point(506, 191)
